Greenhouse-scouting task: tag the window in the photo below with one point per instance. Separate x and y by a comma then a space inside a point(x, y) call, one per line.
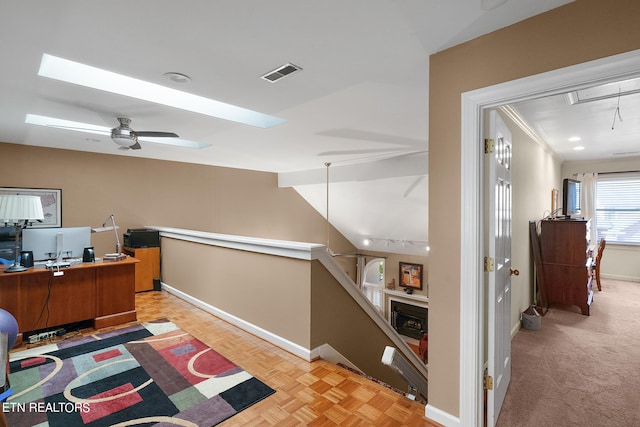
point(618, 208)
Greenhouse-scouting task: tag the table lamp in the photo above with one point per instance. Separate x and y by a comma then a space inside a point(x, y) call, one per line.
point(110, 220)
point(19, 210)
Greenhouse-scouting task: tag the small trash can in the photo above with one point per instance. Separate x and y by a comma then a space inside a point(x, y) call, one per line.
point(531, 319)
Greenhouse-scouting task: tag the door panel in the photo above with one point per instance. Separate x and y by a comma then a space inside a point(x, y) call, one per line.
point(499, 280)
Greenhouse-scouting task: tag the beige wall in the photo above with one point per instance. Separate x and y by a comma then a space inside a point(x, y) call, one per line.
point(221, 200)
point(337, 319)
point(268, 291)
point(618, 261)
point(578, 32)
point(152, 192)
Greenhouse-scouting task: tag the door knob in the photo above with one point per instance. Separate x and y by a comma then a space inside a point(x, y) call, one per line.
point(514, 272)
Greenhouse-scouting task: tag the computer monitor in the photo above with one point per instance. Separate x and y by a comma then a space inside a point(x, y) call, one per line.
point(56, 243)
point(571, 197)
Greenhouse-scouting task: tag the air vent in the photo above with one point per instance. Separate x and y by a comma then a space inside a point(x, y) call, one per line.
point(280, 72)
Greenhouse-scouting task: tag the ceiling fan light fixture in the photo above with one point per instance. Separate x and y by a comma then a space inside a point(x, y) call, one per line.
point(123, 135)
point(124, 140)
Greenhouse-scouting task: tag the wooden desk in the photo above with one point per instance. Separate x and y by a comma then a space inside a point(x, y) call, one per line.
point(147, 269)
point(102, 291)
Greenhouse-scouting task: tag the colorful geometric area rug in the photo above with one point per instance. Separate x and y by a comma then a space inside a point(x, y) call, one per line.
point(146, 374)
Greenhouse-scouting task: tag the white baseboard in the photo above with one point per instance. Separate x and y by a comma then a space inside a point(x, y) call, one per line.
point(270, 337)
point(615, 277)
point(515, 328)
point(441, 417)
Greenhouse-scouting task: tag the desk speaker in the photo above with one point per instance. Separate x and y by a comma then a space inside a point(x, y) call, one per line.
point(88, 255)
point(26, 259)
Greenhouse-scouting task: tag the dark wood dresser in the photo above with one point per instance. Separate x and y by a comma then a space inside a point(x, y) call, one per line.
point(565, 262)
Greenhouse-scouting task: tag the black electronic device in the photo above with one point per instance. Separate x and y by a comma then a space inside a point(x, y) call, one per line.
point(26, 259)
point(141, 238)
point(88, 255)
point(571, 197)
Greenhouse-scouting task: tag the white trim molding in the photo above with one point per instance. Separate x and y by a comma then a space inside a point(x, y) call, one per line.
point(286, 248)
point(474, 103)
point(442, 417)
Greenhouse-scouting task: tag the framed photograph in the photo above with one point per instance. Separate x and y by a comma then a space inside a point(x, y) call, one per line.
point(410, 275)
point(51, 199)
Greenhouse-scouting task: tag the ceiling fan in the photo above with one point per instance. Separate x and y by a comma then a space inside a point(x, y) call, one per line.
point(127, 138)
point(122, 135)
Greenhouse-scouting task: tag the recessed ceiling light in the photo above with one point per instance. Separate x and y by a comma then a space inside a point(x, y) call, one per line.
point(578, 148)
point(97, 78)
point(177, 77)
point(575, 139)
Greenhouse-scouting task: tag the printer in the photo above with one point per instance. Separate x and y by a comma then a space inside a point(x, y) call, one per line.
point(141, 238)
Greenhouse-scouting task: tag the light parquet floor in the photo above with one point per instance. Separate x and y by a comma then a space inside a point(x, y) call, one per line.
point(307, 394)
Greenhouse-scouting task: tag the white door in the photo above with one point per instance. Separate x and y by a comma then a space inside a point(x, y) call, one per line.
point(498, 210)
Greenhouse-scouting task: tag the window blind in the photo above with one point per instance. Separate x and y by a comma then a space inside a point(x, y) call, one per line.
point(618, 208)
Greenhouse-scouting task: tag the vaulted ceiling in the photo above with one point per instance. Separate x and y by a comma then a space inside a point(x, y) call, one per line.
point(359, 101)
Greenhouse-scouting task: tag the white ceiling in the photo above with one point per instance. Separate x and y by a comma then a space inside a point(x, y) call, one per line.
point(360, 101)
point(608, 128)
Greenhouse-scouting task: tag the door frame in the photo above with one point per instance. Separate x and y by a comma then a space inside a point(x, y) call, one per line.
point(474, 105)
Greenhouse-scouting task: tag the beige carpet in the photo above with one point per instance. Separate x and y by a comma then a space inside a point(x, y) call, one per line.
point(579, 370)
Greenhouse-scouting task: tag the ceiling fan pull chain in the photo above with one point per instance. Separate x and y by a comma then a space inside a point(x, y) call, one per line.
point(616, 113)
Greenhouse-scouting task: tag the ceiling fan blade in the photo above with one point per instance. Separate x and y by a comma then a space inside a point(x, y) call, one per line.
point(35, 119)
point(81, 129)
point(177, 142)
point(153, 134)
point(135, 146)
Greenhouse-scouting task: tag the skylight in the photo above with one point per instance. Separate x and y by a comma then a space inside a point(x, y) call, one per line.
point(605, 91)
point(97, 78)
